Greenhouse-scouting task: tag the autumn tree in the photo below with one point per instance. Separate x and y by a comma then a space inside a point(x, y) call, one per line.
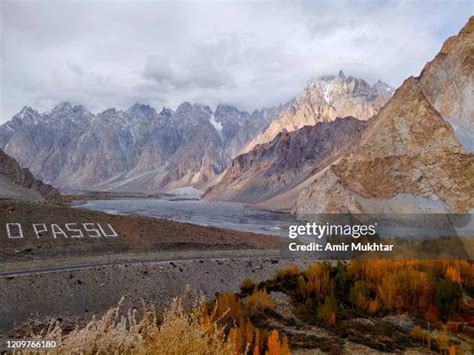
point(285, 347)
point(374, 306)
point(359, 296)
point(454, 274)
point(257, 344)
point(318, 281)
point(448, 296)
point(228, 307)
point(328, 309)
point(260, 299)
point(273, 343)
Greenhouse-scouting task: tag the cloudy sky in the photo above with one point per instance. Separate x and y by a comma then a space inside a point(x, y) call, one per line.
point(249, 54)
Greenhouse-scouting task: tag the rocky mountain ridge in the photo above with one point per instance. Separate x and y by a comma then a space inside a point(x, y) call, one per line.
point(137, 149)
point(18, 183)
point(143, 150)
point(302, 139)
point(324, 100)
point(277, 166)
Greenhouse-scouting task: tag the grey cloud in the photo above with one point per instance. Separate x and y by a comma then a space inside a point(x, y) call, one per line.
point(250, 54)
point(77, 69)
point(190, 72)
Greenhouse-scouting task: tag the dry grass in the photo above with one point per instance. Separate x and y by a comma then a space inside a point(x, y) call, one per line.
point(182, 331)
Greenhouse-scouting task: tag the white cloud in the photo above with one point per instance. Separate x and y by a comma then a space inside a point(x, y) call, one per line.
point(250, 54)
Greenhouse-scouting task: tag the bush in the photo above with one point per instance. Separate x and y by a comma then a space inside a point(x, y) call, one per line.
point(288, 272)
point(418, 333)
point(247, 285)
point(260, 300)
point(181, 332)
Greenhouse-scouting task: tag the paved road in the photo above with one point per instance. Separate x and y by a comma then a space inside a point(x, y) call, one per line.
point(44, 266)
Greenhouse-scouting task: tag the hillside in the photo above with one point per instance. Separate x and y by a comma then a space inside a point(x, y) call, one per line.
point(277, 166)
point(410, 159)
point(18, 183)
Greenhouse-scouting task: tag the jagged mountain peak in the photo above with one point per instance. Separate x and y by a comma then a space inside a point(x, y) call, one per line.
point(341, 76)
point(165, 111)
point(108, 112)
point(139, 110)
point(184, 107)
point(323, 100)
point(201, 107)
point(62, 107)
point(350, 83)
point(73, 148)
point(138, 106)
point(27, 113)
point(230, 114)
point(25, 110)
point(224, 108)
point(67, 113)
point(27, 116)
point(80, 109)
point(381, 86)
point(329, 87)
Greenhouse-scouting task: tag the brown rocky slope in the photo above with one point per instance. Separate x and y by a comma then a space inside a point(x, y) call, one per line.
point(272, 168)
point(410, 158)
point(18, 182)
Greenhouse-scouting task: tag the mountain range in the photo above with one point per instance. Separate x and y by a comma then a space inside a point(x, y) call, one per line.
point(341, 146)
point(142, 150)
point(325, 120)
point(275, 167)
point(139, 149)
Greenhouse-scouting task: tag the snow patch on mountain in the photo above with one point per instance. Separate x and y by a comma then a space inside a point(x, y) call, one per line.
point(217, 125)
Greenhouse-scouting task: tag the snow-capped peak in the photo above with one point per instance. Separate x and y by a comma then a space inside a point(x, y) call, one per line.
point(381, 86)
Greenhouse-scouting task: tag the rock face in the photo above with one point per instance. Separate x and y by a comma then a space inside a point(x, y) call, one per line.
point(410, 159)
point(134, 150)
point(19, 183)
point(256, 123)
point(277, 166)
point(325, 99)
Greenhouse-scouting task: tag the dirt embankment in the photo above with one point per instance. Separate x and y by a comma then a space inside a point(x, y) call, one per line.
point(79, 294)
point(63, 231)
